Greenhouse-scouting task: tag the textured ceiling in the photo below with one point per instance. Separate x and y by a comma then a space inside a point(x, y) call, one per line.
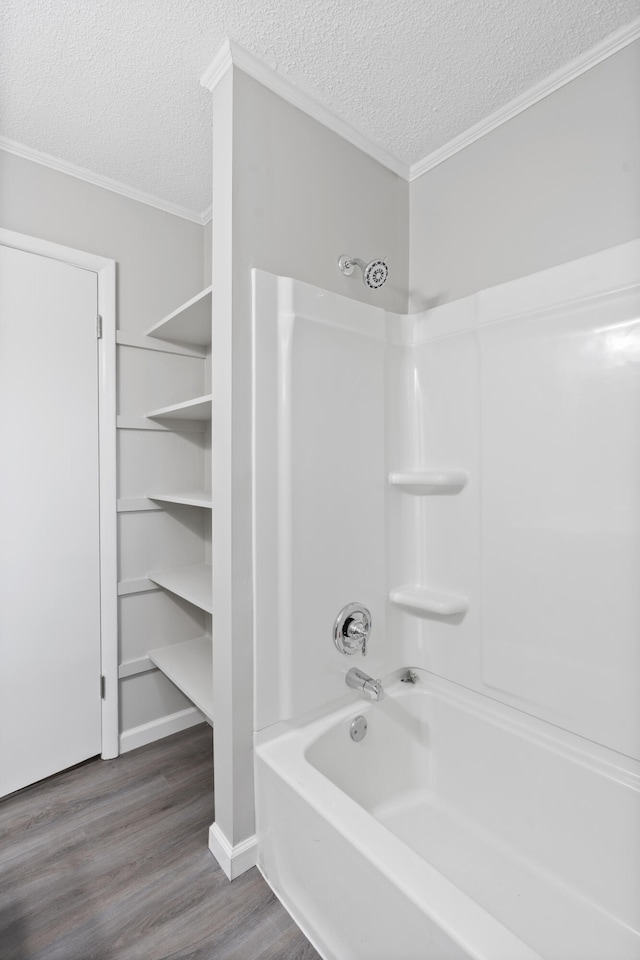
point(113, 85)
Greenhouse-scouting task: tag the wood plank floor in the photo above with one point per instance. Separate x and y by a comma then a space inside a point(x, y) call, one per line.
point(109, 861)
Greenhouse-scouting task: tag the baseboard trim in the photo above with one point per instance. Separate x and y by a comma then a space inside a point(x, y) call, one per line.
point(157, 729)
point(233, 860)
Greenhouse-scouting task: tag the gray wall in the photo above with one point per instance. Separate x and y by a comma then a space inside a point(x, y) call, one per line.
point(303, 196)
point(559, 181)
point(159, 255)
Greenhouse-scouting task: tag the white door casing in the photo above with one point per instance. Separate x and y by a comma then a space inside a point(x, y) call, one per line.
point(57, 509)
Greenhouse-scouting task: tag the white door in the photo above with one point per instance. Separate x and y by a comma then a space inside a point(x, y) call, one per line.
point(50, 715)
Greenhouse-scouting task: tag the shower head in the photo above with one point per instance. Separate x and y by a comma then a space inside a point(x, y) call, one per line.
point(374, 273)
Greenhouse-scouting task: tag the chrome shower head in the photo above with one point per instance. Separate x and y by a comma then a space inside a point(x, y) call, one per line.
point(374, 273)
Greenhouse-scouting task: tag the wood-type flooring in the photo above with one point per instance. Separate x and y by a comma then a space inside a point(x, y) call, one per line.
point(109, 861)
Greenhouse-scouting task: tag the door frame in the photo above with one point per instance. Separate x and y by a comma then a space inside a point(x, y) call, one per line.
point(105, 271)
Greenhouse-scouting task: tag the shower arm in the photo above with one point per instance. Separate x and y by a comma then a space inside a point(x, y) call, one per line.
point(347, 265)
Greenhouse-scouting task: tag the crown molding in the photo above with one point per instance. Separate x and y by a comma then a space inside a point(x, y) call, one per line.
point(232, 54)
point(218, 66)
point(98, 180)
point(591, 58)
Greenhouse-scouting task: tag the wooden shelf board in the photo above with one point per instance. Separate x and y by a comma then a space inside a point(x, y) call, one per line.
point(430, 481)
point(190, 498)
point(192, 583)
point(190, 323)
point(197, 409)
point(189, 665)
point(421, 600)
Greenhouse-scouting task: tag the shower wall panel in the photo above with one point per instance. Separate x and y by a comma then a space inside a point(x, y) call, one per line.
point(319, 490)
point(534, 389)
point(560, 400)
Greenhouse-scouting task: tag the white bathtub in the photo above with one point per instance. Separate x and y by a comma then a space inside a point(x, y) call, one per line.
point(457, 828)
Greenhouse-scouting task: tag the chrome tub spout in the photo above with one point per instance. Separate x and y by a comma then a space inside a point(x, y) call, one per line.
point(358, 680)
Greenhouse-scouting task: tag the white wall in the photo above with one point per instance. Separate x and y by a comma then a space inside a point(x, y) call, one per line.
point(207, 264)
point(160, 260)
point(557, 182)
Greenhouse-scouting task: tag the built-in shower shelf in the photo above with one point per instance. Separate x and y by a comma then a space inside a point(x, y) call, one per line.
point(190, 498)
point(197, 409)
point(190, 323)
point(422, 601)
point(192, 583)
point(430, 481)
point(190, 666)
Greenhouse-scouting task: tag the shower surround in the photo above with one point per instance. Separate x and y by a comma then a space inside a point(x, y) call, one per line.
point(470, 475)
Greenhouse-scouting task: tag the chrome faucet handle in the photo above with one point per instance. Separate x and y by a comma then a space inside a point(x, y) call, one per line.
point(358, 632)
point(351, 629)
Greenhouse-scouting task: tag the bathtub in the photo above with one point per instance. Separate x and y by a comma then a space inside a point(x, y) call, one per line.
point(457, 828)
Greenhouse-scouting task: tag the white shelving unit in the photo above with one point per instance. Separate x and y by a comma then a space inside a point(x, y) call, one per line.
point(192, 583)
point(190, 323)
point(189, 498)
point(420, 600)
point(430, 481)
point(190, 666)
point(199, 408)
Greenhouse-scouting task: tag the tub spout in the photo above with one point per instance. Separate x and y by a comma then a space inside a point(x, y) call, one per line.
point(358, 680)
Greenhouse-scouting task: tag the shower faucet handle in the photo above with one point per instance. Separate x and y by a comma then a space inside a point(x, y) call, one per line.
point(358, 632)
point(351, 629)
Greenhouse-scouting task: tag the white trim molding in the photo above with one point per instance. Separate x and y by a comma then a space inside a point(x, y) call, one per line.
point(98, 180)
point(232, 54)
point(233, 860)
point(160, 728)
point(570, 71)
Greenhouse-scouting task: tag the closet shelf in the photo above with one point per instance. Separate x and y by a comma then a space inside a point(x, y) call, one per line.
point(420, 600)
point(189, 666)
point(197, 409)
point(192, 583)
point(190, 498)
point(190, 323)
point(430, 481)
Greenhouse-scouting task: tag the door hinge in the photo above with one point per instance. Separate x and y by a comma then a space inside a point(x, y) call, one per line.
point(103, 687)
point(99, 327)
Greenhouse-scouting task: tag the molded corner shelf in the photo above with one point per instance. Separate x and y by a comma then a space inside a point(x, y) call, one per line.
point(420, 600)
point(430, 481)
point(190, 666)
point(197, 409)
point(190, 323)
point(192, 583)
point(190, 498)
